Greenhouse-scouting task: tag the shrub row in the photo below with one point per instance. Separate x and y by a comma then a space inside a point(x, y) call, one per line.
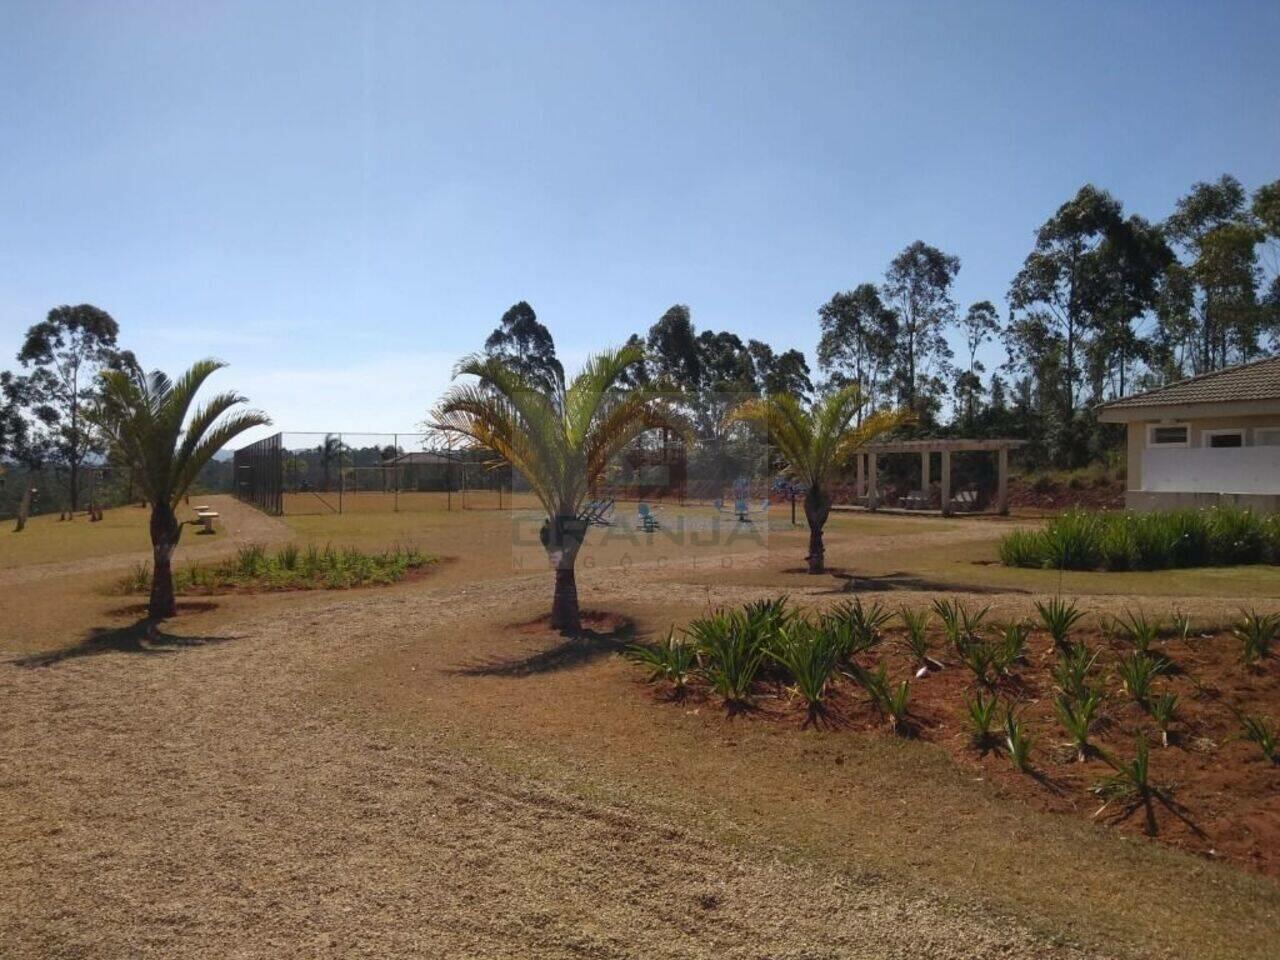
point(1084, 540)
point(290, 567)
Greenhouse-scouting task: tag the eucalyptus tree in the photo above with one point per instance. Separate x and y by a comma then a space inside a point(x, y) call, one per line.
point(522, 342)
point(64, 353)
point(815, 441)
point(859, 336)
point(917, 286)
point(560, 438)
point(148, 422)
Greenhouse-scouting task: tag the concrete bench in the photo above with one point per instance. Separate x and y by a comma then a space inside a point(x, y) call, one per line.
point(205, 518)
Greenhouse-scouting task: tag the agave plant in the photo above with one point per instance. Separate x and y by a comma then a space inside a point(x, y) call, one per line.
point(1262, 731)
point(1181, 626)
point(1137, 673)
point(888, 699)
point(1017, 740)
point(810, 655)
point(729, 655)
point(865, 622)
point(1011, 647)
point(672, 660)
point(916, 639)
point(980, 657)
point(1077, 717)
point(1059, 617)
point(1164, 709)
point(1130, 784)
point(1138, 630)
point(981, 715)
point(1071, 672)
point(1256, 633)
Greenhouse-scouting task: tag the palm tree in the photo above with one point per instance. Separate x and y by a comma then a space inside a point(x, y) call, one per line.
point(559, 437)
point(815, 442)
point(145, 421)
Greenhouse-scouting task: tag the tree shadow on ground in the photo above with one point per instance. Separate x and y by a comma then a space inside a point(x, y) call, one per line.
point(575, 651)
point(902, 581)
point(144, 637)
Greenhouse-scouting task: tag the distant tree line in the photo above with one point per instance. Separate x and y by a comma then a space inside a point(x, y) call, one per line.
point(1104, 304)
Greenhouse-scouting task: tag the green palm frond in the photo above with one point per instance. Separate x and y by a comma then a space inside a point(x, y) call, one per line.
point(561, 438)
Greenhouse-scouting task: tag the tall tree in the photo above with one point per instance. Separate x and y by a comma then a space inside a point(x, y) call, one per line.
point(981, 323)
point(1059, 281)
point(673, 354)
point(148, 420)
point(815, 441)
point(520, 341)
point(786, 372)
point(918, 286)
point(1214, 306)
point(65, 353)
point(25, 432)
point(559, 440)
point(859, 336)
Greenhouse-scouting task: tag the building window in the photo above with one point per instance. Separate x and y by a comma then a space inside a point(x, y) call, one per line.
point(1222, 439)
point(1168, 435)
point(1266, 437)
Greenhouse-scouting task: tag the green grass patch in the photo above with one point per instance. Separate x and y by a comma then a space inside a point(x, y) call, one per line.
point(1084, 540)
point(289, 567)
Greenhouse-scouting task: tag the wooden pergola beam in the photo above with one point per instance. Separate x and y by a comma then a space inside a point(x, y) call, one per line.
point(937, 446)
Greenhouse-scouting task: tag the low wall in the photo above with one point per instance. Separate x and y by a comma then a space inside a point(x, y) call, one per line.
point(1147, 500)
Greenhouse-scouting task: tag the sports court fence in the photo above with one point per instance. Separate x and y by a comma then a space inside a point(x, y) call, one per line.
point(320, 473)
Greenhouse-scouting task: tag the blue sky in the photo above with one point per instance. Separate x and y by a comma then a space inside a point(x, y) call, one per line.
point(341, 199)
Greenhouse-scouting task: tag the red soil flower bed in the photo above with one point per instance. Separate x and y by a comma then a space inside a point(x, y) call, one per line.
point(1220, 796)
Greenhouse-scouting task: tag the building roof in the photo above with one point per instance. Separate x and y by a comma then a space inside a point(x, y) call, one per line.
point(1245, 382)
point(418, 458)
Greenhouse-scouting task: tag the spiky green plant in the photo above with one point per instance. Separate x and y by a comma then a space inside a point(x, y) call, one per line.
point(1164, 709)
point(1181, 626)
point(948, 612)
point(894, 706)
point(889, 700)
point(1011, 646)
point(1256, 633)
point(148, 423)
point(1017, 740)
point(1137, 630)
point(1072, 671)
point(1262, 731)
point(1131, 782)
point(866, 623)
point(1137, 673)
point(980, 713)
point(1059, 617)
point(980, 657)
point(560, 437)
point(1077, 717)
point(810, 655)
point(916, 637)
point(730, 653)
point(672, 659)
point(815, 442)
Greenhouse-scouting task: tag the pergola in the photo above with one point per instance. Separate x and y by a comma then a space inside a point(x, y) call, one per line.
point(866, 466)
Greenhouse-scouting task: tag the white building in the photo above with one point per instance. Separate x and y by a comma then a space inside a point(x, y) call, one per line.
point(1206, 440)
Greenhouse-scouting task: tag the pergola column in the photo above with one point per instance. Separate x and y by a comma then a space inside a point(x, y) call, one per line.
point(946, 483)
point(1002, 481)
point(873, 489)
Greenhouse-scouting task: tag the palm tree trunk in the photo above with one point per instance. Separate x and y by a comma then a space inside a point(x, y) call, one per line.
point(562, 537)
point(165, 531)
point(817, 507)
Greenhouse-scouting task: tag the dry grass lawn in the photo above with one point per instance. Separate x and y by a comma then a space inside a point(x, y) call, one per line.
point(408, 771)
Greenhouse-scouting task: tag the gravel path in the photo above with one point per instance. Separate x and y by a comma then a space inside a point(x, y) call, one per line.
point(198, 803)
